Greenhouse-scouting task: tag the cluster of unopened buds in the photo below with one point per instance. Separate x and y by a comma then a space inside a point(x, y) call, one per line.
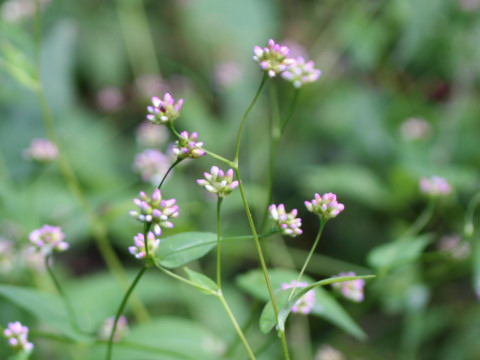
point(48, 239)
point(274, 60)
point(435, 186)
point(218, 182)
point(155, 210)
point(17, 337)
point(139, 249)
point(187, 146)
point(325, 206)
point(353, 289)
point(164, 111)
point(305, 304)
point(287, 223)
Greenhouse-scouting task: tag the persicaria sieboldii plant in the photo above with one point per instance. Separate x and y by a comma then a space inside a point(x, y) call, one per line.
point(157, 249)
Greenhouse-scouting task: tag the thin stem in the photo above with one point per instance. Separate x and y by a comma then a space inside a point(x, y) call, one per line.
point(218, 157)
point(262, 260)
point(120, 310)
point(242, 124)
point(291, 108)
point(469, 228)
point(219, 253)
point(175, 163)
point(312, 250)
point(182, 279)
point(421, 221)
point(63, 295)
point(235, 324)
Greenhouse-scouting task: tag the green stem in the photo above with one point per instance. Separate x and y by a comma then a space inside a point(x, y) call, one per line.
point(242, 124)
point(421, 221)
point(182, 279)
point(219, 253)
point(120, 310)
point(218, 157)
point(291, 108)
point(235, 324)
point(469, 228)
point(63, 295)
point(132, 15)
point(262, 260)
point(312, 250)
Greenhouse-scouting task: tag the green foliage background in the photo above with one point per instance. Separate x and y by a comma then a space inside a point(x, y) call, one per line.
point(382, 62)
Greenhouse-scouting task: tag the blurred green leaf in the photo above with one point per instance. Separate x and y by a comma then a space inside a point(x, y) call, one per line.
point(335, 312)
point(169, 338)
point(399, 252)
point(326, 306)
point(47, 308)
point(347, 180)
point(201, 280)
point(180, 249)
point(18, 66)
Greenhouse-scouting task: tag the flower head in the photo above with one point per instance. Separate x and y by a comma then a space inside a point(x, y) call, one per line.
point(272, 58)
point(301, 72)
point(164, 111)
point(151, 165)
point(16, 335)
point(48, 239)
point(353, 289)
point(155, 210)
point(150, 135)
point(139, 250)
point(325, 206)
point(435, 186)
point(305, 304)
point(41, 150)
point(107, 327)
point(218, 182)
point(188, 147)
point(287, 223)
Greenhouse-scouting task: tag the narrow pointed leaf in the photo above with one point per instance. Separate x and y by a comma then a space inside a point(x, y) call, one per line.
point(201, 280)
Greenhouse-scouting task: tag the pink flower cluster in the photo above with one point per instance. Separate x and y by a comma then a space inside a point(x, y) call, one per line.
point(305, 304)
point(41, 150)
point(187, 146)
point(325, 206)
point(353, 289)
point(218, 182)
point(155, 210)
point(17, 337)
point(139, 250)
point(164, 111)
point(435, 186)
point(287, 223)
point(48, 239)
point(274, 60)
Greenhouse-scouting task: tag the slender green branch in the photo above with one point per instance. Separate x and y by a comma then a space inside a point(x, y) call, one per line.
point(291, 108)
point(182, 279)
point(469, 228)
point(242, 124)
point(421, 221)
point(68, 305)
point(120, 310)
point(218, 157)
point(219, 252)
point(262, 260)
point(312, 250)
point(235, 324)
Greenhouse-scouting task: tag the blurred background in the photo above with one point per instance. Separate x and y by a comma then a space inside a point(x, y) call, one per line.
point(398, 99)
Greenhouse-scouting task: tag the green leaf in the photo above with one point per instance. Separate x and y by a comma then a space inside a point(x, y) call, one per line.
point(399, 252)
point(201, 280)
point(180, 249)
point(47, 308)
point(167, 338)
point(325, 306)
